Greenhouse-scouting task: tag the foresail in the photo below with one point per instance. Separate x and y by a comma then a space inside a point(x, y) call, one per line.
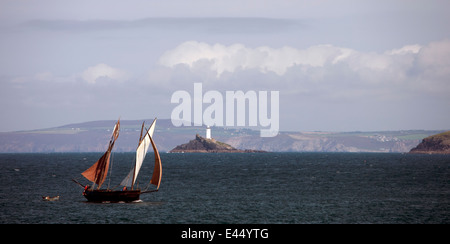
point(98, 171)
point(141, 151)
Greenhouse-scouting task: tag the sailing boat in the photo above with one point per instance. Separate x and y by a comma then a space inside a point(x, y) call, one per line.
point(98, 171)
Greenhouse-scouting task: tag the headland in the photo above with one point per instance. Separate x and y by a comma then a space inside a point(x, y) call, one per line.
point(435, 144)
point(203, 145)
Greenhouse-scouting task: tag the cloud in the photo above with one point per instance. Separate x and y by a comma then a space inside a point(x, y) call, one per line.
point(436, 57)
point(405, 50)
point(237, 56)
point(278, 60)
point(221, 25)
point(101, 71)
point(411, 66)
point(402, 88)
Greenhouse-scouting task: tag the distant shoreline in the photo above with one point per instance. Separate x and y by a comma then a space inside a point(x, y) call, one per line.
point(92, 137)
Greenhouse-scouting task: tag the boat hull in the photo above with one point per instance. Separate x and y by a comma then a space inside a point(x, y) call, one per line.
point(112, 196)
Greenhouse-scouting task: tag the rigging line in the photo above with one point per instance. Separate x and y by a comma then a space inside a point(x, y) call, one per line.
point(110, 168)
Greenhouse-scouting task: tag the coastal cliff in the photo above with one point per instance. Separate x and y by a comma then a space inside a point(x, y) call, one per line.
point(435, 144)
point(203, 145)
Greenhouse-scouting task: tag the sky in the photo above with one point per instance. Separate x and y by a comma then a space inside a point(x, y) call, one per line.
point(338, 65)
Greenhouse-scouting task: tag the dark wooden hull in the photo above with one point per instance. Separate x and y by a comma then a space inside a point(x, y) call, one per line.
point(112, 196)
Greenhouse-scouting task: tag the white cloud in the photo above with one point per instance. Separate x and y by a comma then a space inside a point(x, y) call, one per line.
point(407, 62)
point(436, 57)
point(333, 73)
point(278, 60)
point(93, 73)
point(265, 59)
point(405, 50)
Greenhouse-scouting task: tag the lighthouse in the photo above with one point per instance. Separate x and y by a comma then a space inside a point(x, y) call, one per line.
point(208, 132)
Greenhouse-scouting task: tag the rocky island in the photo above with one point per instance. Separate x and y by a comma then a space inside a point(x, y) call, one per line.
point(435, 144)
point(204, 145)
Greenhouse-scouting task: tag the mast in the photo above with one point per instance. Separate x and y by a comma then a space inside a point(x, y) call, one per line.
point(140, 137)
point(98, 171)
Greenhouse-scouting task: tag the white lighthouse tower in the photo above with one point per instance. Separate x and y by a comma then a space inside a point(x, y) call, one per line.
point(208, 132)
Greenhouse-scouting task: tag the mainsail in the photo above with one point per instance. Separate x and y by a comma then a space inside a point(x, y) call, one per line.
point(98, 171)
point(141, 151)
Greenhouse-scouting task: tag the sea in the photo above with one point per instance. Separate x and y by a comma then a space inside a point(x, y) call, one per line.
point(241, 188)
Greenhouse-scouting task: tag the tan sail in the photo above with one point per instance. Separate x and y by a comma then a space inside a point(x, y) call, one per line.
point(157, 171)
point(97, 172)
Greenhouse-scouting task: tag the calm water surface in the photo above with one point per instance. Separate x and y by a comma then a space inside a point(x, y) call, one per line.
point(235, 188)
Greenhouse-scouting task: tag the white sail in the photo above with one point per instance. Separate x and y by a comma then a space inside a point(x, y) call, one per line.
point(141, 151)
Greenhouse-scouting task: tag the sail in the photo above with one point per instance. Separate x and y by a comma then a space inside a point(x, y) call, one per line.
point(98, 171)
point(141, 151)
point(157, 171)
